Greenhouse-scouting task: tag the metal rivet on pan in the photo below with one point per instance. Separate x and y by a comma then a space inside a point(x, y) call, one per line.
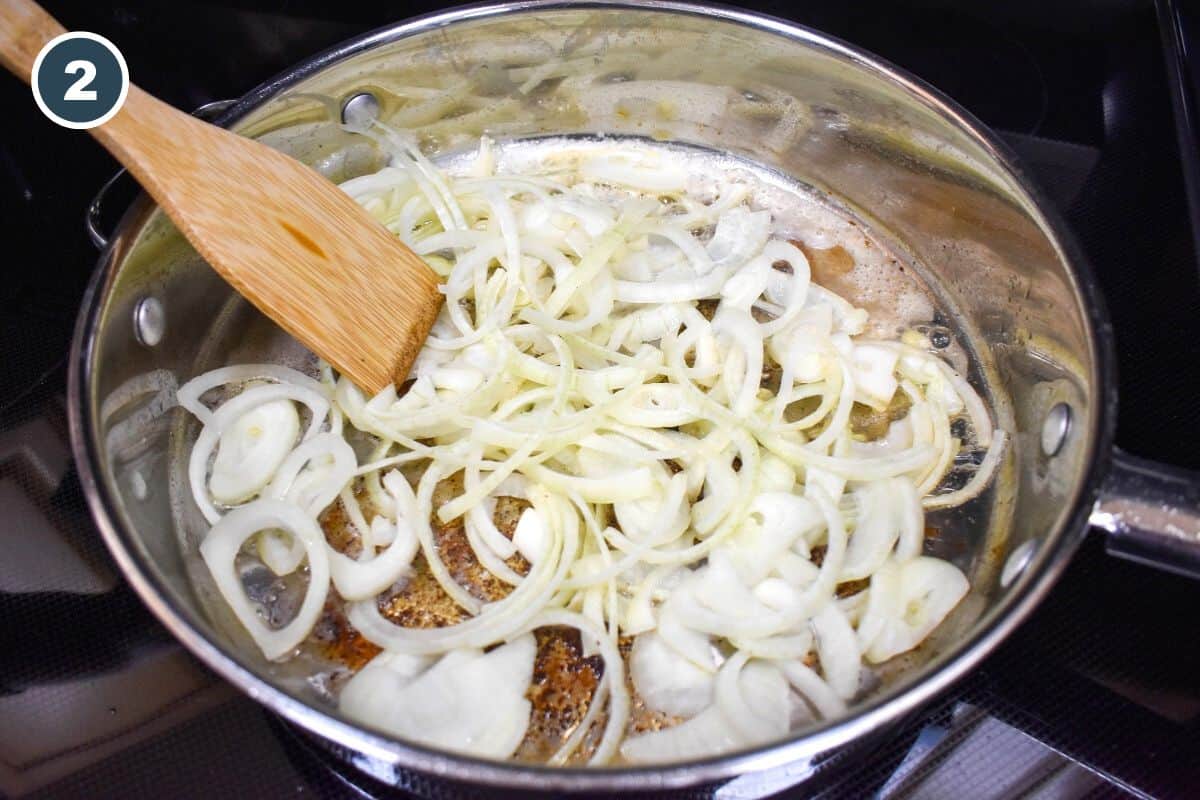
point(149, 321)
point(1055, 428)
point(1017, 561)
point(359, 110)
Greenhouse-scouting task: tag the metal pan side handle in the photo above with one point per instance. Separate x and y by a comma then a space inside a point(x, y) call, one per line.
point(92, 221)
point(1151, 512)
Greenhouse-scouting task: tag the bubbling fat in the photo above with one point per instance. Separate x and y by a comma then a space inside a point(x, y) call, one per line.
point(594, 693)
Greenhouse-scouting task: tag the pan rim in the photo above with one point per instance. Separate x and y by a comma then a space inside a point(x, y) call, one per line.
point(187, 626)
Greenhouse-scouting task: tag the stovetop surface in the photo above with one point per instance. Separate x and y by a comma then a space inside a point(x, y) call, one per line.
point(1097, 695)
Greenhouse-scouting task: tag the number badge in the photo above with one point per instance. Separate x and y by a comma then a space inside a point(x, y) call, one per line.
point(80, 80)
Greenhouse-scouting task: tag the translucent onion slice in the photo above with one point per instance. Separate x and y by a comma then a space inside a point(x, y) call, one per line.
point(707, 734)
point(751, 708)
point(739, 236)
point(311, 477)
point(692, 645)
point(468, 702)
point(315, 472)
point(228, 414)
point(497, 620)
point(979, 481)
point(814, 689)
point(530, 536)
point(188, 396)
point(753, 696)
point(906, 602)
point(793, 646)
point(888, 511)
point(359, 580)
point(375, 686)
point(219, 551)
point(251, 449)
point(784, 519)
point(874, 374)
point(665, 680)
point(837, 647)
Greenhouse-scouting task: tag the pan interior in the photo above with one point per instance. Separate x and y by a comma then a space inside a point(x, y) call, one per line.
point(895, 289)
point(804, 114)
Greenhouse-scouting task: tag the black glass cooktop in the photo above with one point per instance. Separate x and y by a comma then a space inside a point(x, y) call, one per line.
point(1098, 695)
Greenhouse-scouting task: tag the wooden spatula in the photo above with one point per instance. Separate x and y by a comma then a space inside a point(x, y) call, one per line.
point(285, 237)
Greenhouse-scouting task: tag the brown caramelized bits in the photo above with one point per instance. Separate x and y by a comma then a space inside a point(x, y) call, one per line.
point(338, 531)
point(455, 551)
point(772, 376)
point(867, 424)
point(340, 642)
point(851, 588)
point(564, 683)
point(827, 266)
point(421, 602)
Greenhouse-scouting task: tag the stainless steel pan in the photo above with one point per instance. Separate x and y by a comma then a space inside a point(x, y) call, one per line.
point(947, 195)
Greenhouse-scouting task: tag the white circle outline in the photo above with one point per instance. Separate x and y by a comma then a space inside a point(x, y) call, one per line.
point(37, 92)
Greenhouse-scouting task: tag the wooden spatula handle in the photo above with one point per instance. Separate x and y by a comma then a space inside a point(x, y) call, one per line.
point(285, 237)
point(24, 28)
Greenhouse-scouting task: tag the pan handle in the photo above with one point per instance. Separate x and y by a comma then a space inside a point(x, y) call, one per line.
point(92, 221)
point(1151, 512)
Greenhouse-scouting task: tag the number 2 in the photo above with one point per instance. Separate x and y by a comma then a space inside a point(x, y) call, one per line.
point(87, 73)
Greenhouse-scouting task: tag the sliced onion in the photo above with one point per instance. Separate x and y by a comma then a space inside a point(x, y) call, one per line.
point(359, 580)
point(251, 449)
point(785, 518)
point(706, 734)
point(530, 536)
point(188, 396)
point(906, 602)
point(739, 236)
point(315, 472)
point(665, 680)
point(837, 647)
point(496, 620)
point(888, 511)
point(571, 365)
point(753, 696)
point(219, 551)
point(227, 415)
point(979, 481)
point(310, 487)
point(468, 702)
point(815, 690)
point(692, 645)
